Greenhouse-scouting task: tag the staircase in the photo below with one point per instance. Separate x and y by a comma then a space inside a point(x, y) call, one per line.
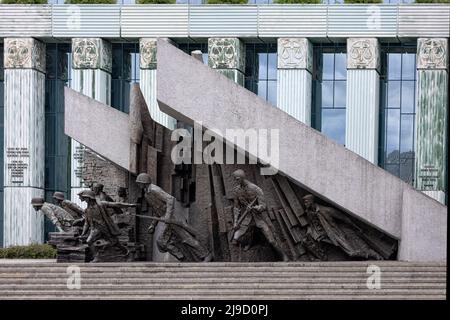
point(45, 279)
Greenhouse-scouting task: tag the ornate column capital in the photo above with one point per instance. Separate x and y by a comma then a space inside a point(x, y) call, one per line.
point(91, 53)
point(226, 53)
point(432, 53)
point(295, 53)
point(147, 53)
point(24, 53)
point(363, 53)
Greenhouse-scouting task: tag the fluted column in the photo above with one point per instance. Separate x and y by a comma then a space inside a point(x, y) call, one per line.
point(227, 56)
point(363, 90)
point(431, 117)
point(24, 139)
point(294, 85)
point(91, 76)
point(147, 54)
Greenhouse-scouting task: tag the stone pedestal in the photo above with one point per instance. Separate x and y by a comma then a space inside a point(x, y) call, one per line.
point(294, 86)
point(147, 53)
point(91, 76)
point(24, 139)
point(227, 55)
point(431, 117)
point(363, 90)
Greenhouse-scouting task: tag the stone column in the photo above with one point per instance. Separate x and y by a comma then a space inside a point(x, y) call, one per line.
point(91, 76)
point(147, 54)
point(431, 117)
point(24, 139)
point(227, 55)
point(363, 90)
point(294, 85)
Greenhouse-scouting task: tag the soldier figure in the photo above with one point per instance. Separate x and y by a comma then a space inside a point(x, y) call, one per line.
point(99, 224)
point(58, 216)
point(99, 193)
point(177, 237)
point(71, 207)
point(249, 204)
point(328, 225)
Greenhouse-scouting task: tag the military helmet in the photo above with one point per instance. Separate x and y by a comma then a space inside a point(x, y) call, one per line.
point(58, 195)
point(87, 194)
point(143, 178)
point(308, 197)
point(37, 201)
point(239, 173)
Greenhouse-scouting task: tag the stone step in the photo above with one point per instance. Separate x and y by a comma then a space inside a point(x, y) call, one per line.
point(176, 279)
point(219, 285)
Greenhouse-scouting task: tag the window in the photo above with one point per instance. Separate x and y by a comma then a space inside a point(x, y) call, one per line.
point(330, 84)
point(57, 144)
point(125, 70)
point(261, 70)
point(397, 111)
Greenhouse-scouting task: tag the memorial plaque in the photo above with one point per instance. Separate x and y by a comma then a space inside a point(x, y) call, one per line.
point(17, 163)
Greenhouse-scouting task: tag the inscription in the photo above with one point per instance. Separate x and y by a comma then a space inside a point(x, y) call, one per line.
point(17, 163)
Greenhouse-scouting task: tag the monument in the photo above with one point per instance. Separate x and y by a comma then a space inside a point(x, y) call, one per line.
point(219, 211)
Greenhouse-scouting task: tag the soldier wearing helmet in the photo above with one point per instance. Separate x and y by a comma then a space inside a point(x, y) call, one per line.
point(99, 224)
point(248, 206)
point(99, 193)
point(174, 239)
point(71, 207)
point(58, 216)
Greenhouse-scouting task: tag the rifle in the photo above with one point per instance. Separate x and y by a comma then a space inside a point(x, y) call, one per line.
point(241, 218)
point(176, 223)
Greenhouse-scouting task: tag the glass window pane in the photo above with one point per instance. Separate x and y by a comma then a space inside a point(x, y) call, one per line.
point(333, 124)
point(392, 132)
point(262, 89)
point(327, 94)
point(406, 170)
point(328, 66)
point(272, 66)
point(393, 169)
point(262, 65)
point(407, 133)
point(50, 122)
point(341, 66)
point(408, 88)
point(272, 92)
point(393, 94)
point(340, 94)
point(408, 66)
point(394, 66)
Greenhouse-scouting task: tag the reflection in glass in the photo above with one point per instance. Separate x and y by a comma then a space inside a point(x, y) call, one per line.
point(333, 124)
point(340, 94)
point(408, 88)
point(328, 66)
point(272, 92)
point(340, 66)
point(393, 94)
point(327, 94)
point(408, 66)
point(407, 133)
point(394, 66)
point(392, 131)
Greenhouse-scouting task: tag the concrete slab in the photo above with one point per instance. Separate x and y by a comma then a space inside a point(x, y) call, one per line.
point(97, 126)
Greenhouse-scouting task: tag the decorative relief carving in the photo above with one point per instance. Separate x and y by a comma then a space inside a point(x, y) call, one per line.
point(294, 53)
point(147, 52)
point(363, 53)
point(432, 53)
point(226, 53)
point(91, 53)
point(24, 53)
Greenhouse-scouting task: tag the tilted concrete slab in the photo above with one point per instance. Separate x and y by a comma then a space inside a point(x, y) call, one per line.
point(190, 91)
point(97, 126)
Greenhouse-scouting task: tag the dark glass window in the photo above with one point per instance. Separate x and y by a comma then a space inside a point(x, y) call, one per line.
point(2, 109)
point(397, 110)
point(261, 70)
point(57, 144)
point(125, 70)
point(330, 85)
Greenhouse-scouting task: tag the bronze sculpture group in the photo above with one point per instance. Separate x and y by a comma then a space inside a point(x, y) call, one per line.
point(95, 226)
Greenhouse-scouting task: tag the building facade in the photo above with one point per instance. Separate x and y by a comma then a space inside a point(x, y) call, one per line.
point(373, 78)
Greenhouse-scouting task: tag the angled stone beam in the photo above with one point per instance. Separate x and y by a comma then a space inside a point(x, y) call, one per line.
point(99, 127)
point(190, 91)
